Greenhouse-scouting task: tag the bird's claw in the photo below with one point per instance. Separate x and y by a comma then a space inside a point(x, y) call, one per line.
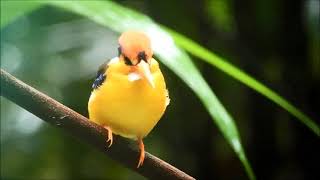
point(142, 153)
point(110, 136)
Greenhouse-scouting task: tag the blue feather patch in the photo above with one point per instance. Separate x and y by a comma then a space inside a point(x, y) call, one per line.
point(100, 78)
point(98, 81)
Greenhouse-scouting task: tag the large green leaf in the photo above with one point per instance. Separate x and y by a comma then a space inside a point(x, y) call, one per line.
point(134, 20)
point(241, 76)
point(120, 19)
point(10, 10)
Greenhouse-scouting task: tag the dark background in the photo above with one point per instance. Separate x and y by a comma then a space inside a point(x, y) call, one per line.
point(277, 42)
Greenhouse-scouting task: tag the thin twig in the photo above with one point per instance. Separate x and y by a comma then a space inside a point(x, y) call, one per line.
point(80, 127)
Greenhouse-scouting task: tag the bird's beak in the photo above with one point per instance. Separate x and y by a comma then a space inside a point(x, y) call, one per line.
point(144, 71)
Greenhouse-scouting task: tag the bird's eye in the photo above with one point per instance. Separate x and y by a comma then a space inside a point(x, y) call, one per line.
point(142, 56)
point(119, 51)
point(127, 61)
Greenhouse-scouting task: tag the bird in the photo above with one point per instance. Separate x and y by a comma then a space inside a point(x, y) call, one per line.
point(129, 94)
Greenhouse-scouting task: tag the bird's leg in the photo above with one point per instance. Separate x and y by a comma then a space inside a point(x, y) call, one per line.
point(141, 147)
point(110, 137)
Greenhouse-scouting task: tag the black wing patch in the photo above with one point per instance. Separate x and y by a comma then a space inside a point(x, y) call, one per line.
point(101, 77)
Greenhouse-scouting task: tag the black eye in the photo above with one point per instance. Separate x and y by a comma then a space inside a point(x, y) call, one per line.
point(142, 56)
point(127, 61)
point(119, 51)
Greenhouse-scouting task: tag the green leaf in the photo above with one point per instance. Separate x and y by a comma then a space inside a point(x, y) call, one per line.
point(241, 76)
point(121, 19)
point(13, 9)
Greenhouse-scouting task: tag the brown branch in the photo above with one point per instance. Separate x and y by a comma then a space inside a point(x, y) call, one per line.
point(80, 127)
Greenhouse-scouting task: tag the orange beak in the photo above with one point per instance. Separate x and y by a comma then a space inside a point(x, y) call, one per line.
point(144, 71)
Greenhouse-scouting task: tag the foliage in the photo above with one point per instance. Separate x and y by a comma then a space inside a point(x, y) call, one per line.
point(119, 19)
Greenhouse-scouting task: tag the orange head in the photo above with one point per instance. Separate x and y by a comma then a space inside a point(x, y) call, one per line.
point(134, 47)
point(135, 51)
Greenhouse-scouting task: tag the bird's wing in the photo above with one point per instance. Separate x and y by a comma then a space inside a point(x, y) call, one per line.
point(101, 77)
point(101, 74)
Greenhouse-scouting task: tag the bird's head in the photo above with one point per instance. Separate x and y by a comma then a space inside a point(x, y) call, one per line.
point(135, 51)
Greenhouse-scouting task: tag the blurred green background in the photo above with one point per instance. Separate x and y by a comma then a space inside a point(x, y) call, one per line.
point(277, 42)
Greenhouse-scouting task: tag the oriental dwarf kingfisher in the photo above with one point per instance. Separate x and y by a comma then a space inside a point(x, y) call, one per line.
point(129, 93)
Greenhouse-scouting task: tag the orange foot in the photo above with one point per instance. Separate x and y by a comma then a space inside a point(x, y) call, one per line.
point(110, 137)
point(141, 147)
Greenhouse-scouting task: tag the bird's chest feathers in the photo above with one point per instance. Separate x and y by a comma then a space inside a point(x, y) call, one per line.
point(124, 91)
point(130, 90)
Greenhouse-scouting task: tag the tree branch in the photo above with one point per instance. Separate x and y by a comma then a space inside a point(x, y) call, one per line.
point(84, 130)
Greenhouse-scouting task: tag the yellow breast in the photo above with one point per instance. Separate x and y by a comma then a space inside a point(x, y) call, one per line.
point(130, 108)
